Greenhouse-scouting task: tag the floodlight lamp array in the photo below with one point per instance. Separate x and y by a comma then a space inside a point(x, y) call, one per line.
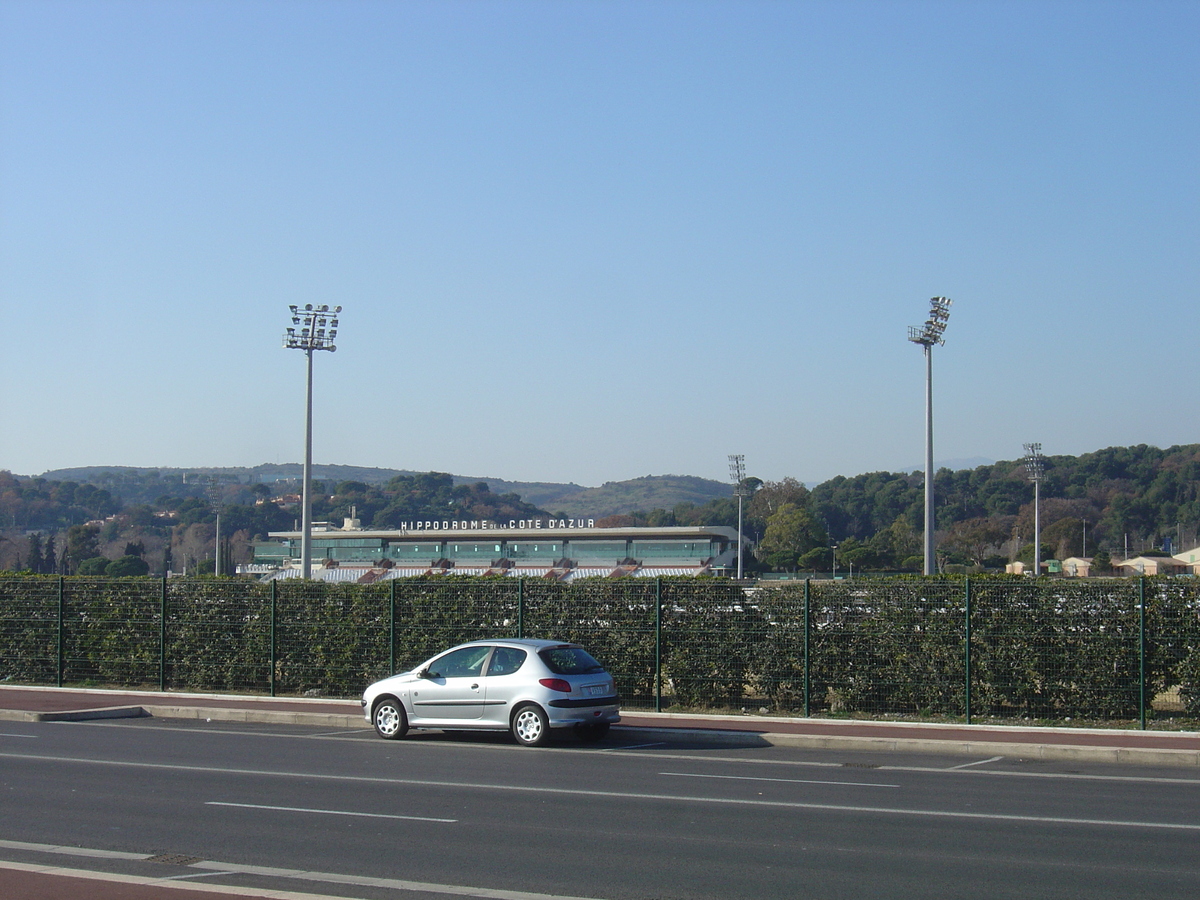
point(313, 328)
point(737, 472)
point(1035, 463)
point(931, 332)
point(737, 467)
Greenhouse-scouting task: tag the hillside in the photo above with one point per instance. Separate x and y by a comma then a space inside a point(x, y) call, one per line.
point(145, 485)
point(639, 494)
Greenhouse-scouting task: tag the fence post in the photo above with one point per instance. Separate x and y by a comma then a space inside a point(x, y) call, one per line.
point(274, 595)
point(521, 607)
point(162, 638)
point(967, 646)
point(1142, 650)
point(807, 625)
point(61, 581)
point(392, 630)
point(658, 644)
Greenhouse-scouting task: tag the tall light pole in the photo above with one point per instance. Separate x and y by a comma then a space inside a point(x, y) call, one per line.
point(737, 473)
point(927, 335)
point(1035, 467)
point(313, 328)
point(214, 497)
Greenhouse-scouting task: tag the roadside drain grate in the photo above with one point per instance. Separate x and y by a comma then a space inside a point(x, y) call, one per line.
point(859, 766)
point(175, 859)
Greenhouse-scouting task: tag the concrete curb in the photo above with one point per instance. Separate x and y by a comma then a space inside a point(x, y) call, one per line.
point(74, 715)
point(261, 716)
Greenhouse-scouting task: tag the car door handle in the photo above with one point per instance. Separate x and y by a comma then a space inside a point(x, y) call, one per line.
point(475, 687)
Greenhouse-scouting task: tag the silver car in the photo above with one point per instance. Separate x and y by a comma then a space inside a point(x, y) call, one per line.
point(523, 686)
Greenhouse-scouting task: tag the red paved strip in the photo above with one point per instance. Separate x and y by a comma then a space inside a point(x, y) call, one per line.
point(15, 884)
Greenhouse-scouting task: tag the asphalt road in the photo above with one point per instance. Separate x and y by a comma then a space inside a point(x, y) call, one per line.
point(342, 813)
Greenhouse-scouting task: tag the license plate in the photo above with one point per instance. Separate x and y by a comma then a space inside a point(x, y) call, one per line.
point(596, 690)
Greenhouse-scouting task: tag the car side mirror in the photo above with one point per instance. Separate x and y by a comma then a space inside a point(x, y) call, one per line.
point(425, 673)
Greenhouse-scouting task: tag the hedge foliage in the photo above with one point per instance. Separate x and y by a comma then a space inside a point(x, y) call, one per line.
point(1048, 648)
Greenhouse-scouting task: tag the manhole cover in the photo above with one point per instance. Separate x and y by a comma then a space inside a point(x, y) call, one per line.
point(175, 859)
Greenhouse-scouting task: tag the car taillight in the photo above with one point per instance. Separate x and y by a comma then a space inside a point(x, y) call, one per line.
point(556, 684)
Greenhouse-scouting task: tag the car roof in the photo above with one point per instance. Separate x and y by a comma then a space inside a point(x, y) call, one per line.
point(529, 643)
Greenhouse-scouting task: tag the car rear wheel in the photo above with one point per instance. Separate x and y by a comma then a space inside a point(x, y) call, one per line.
point(530, 725)
point(389, 719)
point(592, 731)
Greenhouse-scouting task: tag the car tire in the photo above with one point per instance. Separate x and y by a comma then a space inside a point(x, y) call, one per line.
point(530, 727)
point(389, 719)
point(592, 731)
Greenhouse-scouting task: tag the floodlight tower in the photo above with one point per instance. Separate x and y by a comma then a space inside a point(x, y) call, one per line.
point(737, 473)
point(927, 335)
point(1035, 468)
point(313, 328)
point(214, 497)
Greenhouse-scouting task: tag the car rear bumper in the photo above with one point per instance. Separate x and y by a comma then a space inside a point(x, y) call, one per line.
point(591, 714)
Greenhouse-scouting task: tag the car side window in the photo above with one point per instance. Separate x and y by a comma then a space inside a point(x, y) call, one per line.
point(506, 660)
point(464, 663)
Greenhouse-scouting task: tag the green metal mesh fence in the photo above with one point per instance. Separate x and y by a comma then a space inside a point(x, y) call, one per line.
point(1094, 649)
point(29, 630)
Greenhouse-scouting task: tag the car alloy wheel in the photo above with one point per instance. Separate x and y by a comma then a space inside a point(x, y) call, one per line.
point(389, 719)
point(529, 725)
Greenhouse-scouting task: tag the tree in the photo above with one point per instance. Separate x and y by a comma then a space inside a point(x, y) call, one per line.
point(36, 562)
point(50, 556)
point(817, 559)
point(127, 566)
point(94, 565)
point(791, 532)
point(83, 543)
point(771, 496)
point(1066, 536)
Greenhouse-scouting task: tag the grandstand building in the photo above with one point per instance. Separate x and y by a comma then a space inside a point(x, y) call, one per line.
point(562, 549)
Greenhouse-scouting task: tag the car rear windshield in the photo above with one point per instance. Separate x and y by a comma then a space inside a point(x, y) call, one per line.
point(569, 661)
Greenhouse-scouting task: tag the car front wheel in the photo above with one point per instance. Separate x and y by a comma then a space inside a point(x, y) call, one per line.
point(530, 725)
point(389, 719)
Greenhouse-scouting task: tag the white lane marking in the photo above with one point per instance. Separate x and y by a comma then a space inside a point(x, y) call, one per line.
point(632, 747)
point(219, 868)
point(9, 734)
point(978, 762)
point(926, 770)
point(329, 812)
point(608, 795)
point(779, 780)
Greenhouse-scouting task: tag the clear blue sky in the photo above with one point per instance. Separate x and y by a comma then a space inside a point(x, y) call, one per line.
point(589, 241)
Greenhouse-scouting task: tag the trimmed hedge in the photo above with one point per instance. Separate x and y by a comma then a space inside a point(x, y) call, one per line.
point(1047, 648)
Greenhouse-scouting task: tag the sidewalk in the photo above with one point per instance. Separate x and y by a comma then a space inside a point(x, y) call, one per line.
point(1151, 748)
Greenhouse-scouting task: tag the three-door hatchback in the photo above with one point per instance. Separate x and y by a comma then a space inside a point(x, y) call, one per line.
point(523, 686)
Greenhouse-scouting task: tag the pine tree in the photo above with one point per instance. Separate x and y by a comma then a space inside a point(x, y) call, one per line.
point(36, 562)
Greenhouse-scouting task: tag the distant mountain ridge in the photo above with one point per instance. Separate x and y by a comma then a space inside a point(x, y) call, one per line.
point(574, 500)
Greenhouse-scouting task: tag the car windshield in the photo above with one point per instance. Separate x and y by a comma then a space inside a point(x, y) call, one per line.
point(569, 661)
